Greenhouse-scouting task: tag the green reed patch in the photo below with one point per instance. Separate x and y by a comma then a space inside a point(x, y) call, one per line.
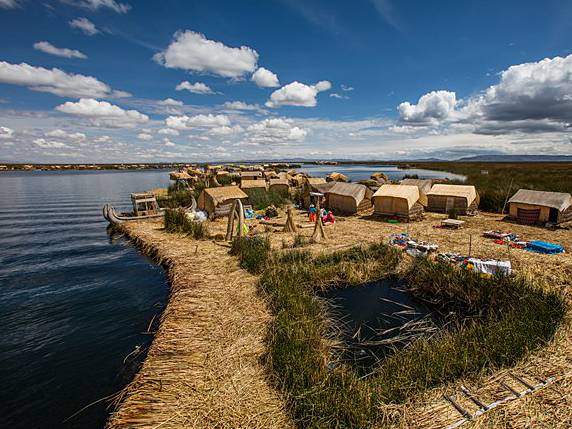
point(177, 221)
point(495, 323)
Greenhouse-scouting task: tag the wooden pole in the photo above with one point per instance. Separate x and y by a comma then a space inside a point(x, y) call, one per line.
point(470, 244)
point(290, 224)
point(230, 225)
point(240, 218)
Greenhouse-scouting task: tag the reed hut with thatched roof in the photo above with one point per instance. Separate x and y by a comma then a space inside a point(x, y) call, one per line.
point(337, 177)
point(424, 185)
point(539, 207)
point(400, 201)
point(379, 177)
point(211, 199)
point(349, 198)
point(253, 184)
point(270, 174)
point(251, 175)
point(321, 187)
point(464, 199)
point(222, 173)
point(280, 186)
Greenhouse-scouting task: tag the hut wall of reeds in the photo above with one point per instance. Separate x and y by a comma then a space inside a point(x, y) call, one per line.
point(464, 199)
point(349, 198)
point(211, 198)
point(280, 186)
point(538, 207)
point(251, 175)
point(400, 201)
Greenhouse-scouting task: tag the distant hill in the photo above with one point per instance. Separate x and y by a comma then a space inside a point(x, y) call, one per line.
point(517, 158)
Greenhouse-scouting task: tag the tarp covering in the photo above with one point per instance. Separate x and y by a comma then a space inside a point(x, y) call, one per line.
point(556, 200)
point(544, 247)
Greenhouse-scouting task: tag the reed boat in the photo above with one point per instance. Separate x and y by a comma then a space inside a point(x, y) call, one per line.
point(145, 206)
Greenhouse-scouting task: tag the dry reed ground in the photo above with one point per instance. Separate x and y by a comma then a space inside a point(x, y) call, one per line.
point(198, 364)
point(203, 369)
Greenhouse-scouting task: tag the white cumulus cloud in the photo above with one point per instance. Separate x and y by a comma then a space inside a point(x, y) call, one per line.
point(84, 25)
point(48, 48)
point(431, 107)
point(9, 4)
point(170, 102)
point(199, 121)
point(54, 81)
point(275, 131)
point(297, 94)
point(144, 136)
point(103, 114)
point(62, 134)
point(168, 132)
point(264, 78)
point(196, 88)
point(49, 144)
point(240, 105)
point(192, 51)
point(6, 133)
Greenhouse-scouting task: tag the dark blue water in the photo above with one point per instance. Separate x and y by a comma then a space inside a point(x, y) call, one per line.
point(376, 319)
point(358, 172)
point(73, 302)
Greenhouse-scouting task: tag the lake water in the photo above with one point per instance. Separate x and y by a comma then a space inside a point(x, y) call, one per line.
point(377, 318)
point(73, 302)
point(358, 172)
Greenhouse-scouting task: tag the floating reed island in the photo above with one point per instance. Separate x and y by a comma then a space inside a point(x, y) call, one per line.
point(248, 339)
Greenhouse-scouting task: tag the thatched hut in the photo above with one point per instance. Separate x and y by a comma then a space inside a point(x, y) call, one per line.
point(253, 184)
point(379, 177)
point(349, 198)
point(424, 185)
point(179, 175)
point(464, 199)
point(271, 174)
point(337, 177)
point(539, 207)
point(320, 187)
point(400, 201)
point(280, 186)
point(212, 199)
point(222, 173)
point(251, 175)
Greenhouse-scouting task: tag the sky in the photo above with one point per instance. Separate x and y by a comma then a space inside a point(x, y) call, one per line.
point(187, 81)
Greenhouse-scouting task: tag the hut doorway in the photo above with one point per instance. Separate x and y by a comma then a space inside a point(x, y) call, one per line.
point(553, 215)
point(449, 204)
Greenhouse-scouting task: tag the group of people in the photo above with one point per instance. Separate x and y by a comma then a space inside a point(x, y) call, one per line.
point(327, 216)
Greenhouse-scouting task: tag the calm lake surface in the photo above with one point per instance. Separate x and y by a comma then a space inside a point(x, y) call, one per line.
point(73, 302)
point(358, 172)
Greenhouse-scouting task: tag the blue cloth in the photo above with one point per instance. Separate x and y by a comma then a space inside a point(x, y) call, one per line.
point(540, 246)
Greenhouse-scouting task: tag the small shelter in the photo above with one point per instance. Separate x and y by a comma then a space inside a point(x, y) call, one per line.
point(251, 175)
point(314, 180)
point(280, 186)
point(253, 184)
point(222, 173)
point(401, 201)
point(320, 187)
point(539, 207)
point(424, 185)
point(349, 198)
point(379, 177)
point(337, 177)
point(464, 199)
point(212, 198)
point(271, 174)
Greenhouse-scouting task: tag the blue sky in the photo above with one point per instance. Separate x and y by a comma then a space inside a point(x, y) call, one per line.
point(149, 80)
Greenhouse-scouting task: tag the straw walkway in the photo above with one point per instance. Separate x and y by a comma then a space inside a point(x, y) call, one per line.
point(204, 367)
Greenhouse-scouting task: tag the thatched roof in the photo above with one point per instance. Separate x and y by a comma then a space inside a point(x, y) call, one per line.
point(379, 177)
point(175, 175)
point(354, 190)
point(406, 192)
point(424, 185)
point(278, 182)
point(249, 184)
point(338, 177)
point(270, 174)
point(224, 193)
point(557, 200)
point(251, 174)
point(315, 180)
point(460, 191)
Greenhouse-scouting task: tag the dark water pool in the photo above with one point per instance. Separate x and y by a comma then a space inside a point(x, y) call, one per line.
point(73, 302)
point(377, 318)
